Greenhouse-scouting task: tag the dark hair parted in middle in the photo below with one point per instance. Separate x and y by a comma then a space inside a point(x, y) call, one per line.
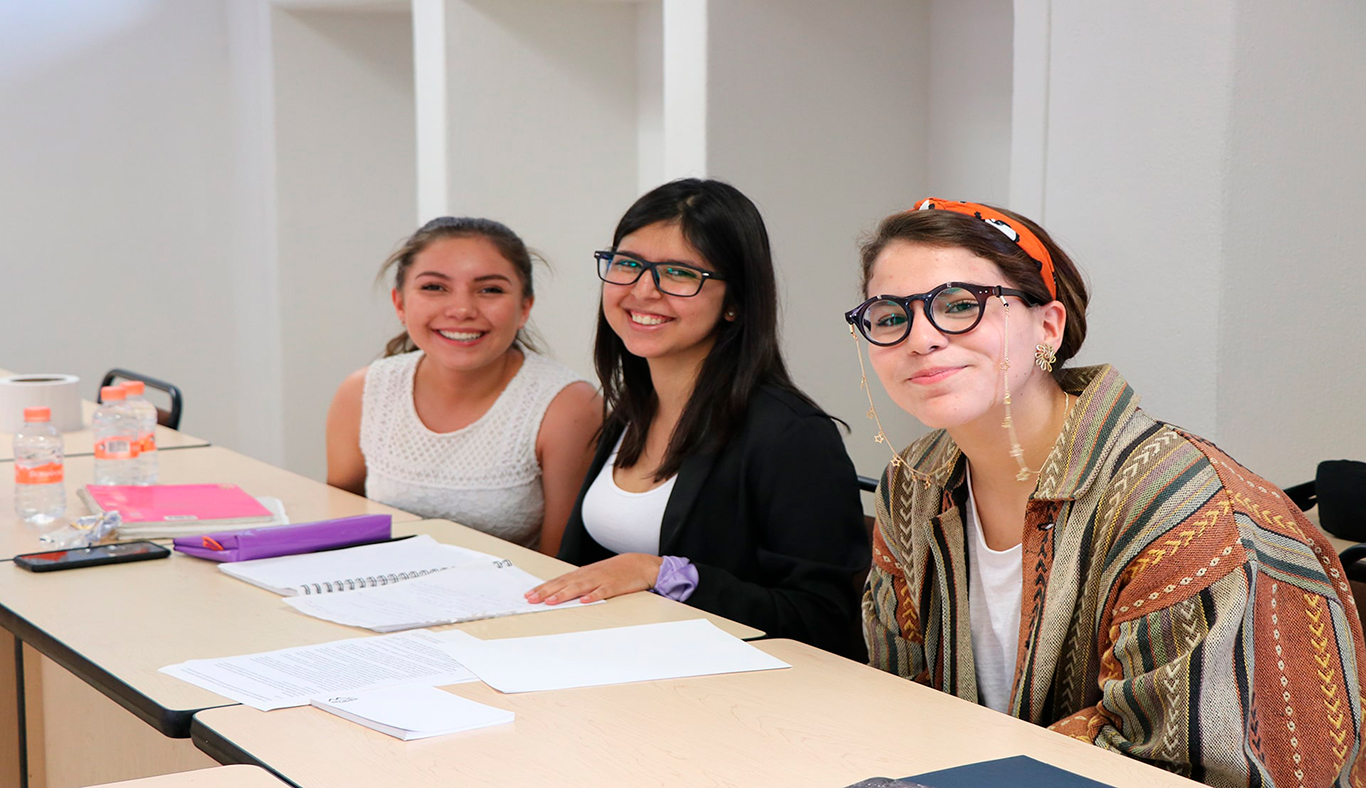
point(949, 229)
point(726, 230)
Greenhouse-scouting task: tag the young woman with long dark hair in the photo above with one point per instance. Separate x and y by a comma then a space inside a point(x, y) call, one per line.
point(717, 481)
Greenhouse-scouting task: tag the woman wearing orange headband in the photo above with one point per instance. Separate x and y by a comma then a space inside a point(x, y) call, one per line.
point(1055, 553)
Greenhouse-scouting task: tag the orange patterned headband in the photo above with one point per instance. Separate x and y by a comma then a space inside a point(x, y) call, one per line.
point(1010, 228)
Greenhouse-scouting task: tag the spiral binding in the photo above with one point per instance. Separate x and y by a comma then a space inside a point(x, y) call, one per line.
point(375, 581)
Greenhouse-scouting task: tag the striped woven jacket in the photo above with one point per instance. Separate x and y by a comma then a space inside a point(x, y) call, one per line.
point(1177, 608)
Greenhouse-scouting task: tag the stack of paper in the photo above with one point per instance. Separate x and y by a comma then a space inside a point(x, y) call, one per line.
point(292, 676)
point(647, 652)
point(413, 712)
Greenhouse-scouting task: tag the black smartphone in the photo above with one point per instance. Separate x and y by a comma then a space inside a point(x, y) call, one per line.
point(91, 556)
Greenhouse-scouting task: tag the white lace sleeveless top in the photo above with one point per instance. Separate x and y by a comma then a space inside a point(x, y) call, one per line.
point(484, 475)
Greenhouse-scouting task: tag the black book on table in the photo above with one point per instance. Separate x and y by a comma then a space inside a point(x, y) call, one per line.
point(1019, 771)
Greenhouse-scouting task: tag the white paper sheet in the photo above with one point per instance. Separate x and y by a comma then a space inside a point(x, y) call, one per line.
point(464, 594)
point(291, 676)
point(413, 712)
point(648, 652)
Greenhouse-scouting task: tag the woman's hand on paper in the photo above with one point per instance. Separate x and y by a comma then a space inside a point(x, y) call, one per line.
point(620, 574)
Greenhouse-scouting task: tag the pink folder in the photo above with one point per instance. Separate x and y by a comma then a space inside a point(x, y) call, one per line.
point(176, 503)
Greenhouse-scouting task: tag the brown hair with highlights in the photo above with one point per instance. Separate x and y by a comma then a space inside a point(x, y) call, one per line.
point(946, 229)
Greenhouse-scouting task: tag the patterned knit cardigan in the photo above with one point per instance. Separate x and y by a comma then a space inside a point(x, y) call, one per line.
point(1177, 608)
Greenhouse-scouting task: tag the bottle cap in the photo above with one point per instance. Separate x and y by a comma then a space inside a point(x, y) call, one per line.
point(38, 414)
point(135, 388)
point(112, 392)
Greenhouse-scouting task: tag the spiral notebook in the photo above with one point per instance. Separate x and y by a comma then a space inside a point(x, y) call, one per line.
point(353, 568)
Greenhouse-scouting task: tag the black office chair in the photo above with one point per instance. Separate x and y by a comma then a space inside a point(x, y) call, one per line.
point(868, 484)
point(165, 417)
point(1304, 495)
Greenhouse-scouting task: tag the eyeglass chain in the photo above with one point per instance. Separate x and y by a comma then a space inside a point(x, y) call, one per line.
point(1016, 450)
point(881, 437)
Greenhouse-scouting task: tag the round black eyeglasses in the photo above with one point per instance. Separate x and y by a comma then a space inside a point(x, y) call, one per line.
point(675, 279)
point(953, 308)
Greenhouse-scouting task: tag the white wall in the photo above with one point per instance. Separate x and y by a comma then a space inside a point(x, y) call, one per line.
point(1194, 163)
point(971, 86)
point(346, 186)
point(1137, 129)
point(826, 143)
point(542, 120)
point(1291, 375)
point(115, 149)
point(649, 95)
point(247, 167)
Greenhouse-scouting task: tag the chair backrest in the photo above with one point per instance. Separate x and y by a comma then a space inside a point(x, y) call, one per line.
point(1303, 495)
point(166, 417)
point(868, 484)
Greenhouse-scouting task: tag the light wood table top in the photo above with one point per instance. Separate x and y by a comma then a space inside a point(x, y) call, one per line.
point(236, 776)
point(305, 499)
point(631, 609)
point(116, 625)
point(827, 721)
point(81, 442)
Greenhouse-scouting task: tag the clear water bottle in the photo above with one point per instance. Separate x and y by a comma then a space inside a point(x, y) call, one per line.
point(116, 435)
point(145, 413)
point(39, 492)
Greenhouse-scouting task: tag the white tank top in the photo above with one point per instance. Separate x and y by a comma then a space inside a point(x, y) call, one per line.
point(622, 521)
point(484, 475)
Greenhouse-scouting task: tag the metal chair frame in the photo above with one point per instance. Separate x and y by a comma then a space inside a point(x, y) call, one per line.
point(166, 418)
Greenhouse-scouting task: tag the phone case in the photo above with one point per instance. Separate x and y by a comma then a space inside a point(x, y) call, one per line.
point(122, 553)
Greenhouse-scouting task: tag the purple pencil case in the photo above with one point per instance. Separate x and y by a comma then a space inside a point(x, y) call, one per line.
point(274, 540)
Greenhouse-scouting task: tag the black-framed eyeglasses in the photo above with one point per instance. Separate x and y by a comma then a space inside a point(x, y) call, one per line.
point(953, 308)
point(675, 279)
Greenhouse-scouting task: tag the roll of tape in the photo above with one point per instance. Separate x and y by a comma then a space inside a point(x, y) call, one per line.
point(59, 393)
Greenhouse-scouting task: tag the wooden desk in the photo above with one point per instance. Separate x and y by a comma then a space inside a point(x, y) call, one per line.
point(827, 721)
point(304, 498)
point(639, 608)
point(238, 776)
point(95, 638)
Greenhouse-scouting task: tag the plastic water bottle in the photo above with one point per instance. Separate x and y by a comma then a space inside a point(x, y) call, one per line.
point(116, 435)
point(145, 413)
point(39, 494)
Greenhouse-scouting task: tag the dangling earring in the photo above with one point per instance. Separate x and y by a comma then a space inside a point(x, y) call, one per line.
point(1045, 358)
point(1016, 450)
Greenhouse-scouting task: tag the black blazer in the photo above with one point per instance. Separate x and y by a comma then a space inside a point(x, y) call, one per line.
point(772, 521)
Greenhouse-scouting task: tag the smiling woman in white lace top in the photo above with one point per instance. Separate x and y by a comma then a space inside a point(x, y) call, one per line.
point(462, 419)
